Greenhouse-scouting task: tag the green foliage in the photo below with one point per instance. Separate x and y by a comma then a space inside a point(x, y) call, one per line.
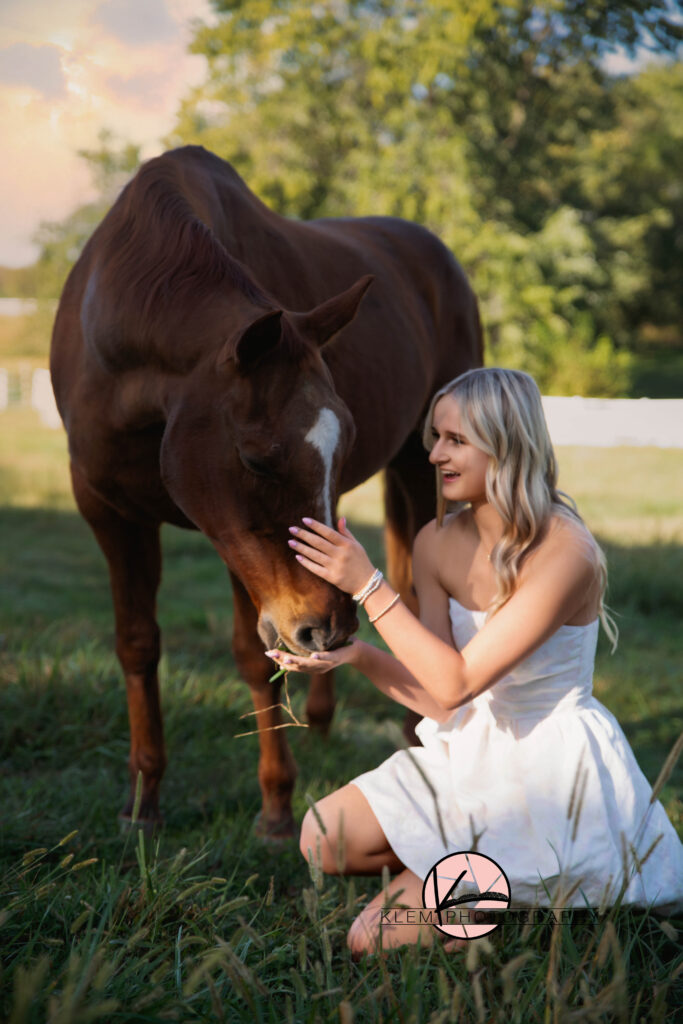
point(17, 282)
point(557, 187)
point(492, 124)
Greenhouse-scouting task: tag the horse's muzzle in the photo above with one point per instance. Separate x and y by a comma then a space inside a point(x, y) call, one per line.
point(314, 633)
point(319, 636)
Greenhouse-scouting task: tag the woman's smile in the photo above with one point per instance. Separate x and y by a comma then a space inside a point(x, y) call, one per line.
point(451, 442)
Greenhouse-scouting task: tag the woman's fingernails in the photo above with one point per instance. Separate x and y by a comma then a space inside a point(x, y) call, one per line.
point(306, 520)
point(298, 558)
point(294, 529)
point(292, 543)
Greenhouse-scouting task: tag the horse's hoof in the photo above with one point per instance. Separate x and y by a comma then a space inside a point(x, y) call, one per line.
point(274, 830)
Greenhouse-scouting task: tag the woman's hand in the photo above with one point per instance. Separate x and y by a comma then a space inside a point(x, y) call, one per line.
point(334, 556)
point(319, 661)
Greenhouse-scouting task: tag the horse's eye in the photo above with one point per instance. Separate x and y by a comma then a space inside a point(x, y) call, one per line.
point(255, 465)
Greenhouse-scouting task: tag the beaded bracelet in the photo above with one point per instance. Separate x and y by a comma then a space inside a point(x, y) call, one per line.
point(391, 604)
point(369, 588)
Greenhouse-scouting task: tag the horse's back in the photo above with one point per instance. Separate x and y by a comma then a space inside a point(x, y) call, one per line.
point(418, 325)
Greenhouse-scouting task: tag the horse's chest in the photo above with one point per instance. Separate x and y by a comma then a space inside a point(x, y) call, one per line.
point(123, 469)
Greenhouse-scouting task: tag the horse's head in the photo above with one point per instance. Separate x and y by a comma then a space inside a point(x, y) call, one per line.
point(255, 441)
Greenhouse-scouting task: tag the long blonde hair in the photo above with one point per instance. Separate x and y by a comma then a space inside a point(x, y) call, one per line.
point(502, 414)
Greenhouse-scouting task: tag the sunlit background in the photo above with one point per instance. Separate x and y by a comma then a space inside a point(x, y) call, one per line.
point(68, 70)
point(72, 68)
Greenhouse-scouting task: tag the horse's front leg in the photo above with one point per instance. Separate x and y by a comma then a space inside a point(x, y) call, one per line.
point(133, 554)
point(277, 770)
point(320, 702)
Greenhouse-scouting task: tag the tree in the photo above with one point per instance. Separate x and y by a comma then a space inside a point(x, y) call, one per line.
point(478, 118)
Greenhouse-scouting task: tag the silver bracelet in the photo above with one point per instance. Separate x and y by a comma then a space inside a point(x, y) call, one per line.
point(372, 588)
point(395, 598)
point(372, 585)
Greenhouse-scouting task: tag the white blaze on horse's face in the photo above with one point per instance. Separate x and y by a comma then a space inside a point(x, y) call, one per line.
point(324, 435)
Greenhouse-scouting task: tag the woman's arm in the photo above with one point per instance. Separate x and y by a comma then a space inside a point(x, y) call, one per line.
point(382, 669)
point(391, 677)
point(556, 580)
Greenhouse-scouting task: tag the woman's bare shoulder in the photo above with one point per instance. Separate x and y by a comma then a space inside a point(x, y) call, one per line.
point(568, 532)
point(569, 547)
point(433, 539)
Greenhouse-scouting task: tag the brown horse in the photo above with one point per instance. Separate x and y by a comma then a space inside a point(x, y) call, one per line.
point(208, 375)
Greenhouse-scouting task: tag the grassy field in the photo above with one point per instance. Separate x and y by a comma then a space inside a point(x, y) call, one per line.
point(205, 922)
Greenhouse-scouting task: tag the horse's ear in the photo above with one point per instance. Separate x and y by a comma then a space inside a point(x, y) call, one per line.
point(324, 321)
point(249, 345)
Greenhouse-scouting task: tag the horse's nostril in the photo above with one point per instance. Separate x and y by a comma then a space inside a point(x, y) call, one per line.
point(316, 636)
point(304, 636)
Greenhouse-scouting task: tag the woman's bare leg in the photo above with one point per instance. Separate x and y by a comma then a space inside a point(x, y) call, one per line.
point(383, 924)
point(353, 842)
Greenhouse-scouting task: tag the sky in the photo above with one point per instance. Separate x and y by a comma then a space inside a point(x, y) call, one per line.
point(69, 68)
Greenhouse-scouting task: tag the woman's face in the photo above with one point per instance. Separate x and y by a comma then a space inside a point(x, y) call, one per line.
point(462, 465)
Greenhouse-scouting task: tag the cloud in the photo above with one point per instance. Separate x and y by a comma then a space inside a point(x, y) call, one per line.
point(148, 88)
point(38, 67)
point(135, 23)
point(97, 79)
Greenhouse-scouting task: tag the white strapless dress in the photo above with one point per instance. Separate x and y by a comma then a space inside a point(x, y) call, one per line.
point(538, 775)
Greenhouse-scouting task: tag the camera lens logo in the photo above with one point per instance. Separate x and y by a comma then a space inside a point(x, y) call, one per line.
point(461, 887)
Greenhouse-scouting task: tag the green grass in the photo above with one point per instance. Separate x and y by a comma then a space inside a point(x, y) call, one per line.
point(207, 923)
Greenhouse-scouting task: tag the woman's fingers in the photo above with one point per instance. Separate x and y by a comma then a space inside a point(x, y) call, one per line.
point(318, 568)
point(314, 549)
point(315, 663)
point(327, 532)
point(335, 557)
point(311, 553)
point(313, 540)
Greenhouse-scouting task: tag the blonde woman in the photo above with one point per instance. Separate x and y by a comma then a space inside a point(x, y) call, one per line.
point(521, 760)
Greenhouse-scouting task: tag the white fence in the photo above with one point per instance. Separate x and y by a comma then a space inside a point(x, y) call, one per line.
point(597, 422)
point(43, 399)
point(30, 387)
point(17, 307)
point(609, 422)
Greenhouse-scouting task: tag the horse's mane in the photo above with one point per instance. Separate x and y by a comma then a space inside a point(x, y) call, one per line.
point(157, 260)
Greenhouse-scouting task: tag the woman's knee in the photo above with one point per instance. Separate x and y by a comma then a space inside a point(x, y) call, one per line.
point(318, 844)
point(310, 830)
